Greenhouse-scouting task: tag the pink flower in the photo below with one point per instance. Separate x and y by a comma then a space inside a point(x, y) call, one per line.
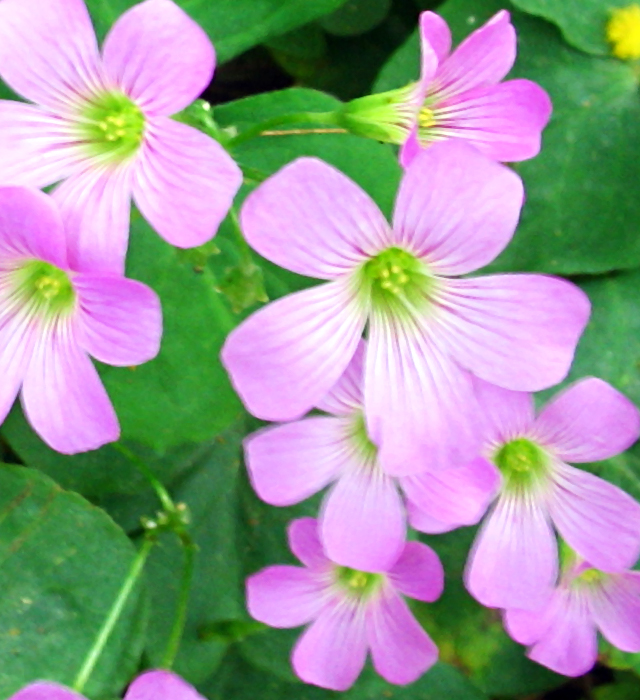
point(514, 560)
point(351, 612)
point(455, 211)
point(159, 685)
point(102, 126)
point(464, 98)
point(562, 633)
point(53, 315)
point(362, 522)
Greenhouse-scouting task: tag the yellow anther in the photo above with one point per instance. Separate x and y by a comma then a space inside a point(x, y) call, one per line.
point(403, 279)
point(396, 269)
point(385, 273)
point(48, 286)
point(623, 32)
point(426, 118)
point(386, 284)
point(359, 579)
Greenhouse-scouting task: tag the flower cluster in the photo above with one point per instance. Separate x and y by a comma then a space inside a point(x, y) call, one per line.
point(402, 382)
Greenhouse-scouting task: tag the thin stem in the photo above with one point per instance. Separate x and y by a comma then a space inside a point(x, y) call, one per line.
point(158, 486)
point(246, 260)
point(326, 118)
point(189, 548)
point(114, 615)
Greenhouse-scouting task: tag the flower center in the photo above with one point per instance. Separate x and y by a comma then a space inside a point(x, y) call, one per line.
point(360, 437)
point(395, 278)
point(522, 464)
point(426, 118)
point(623, 32)
point(45, 287)
point(591, 577)
point(358, 584)
point(112, 125)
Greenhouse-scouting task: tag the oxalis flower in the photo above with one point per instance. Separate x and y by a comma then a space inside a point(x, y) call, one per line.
point(362, 522)
point(455, 211)
point(159, 685)
point(562, 634)
point(101, 126)
point(351, 612)
point(53, 315)
point(463, 97)
point(514, 561)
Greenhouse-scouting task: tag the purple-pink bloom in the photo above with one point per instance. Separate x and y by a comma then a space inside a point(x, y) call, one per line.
point(362, 520)
point(428, 330)
point(101, 126)
point(562, 633)
point(464, 97)
point(151, 685)
point(514, 561)
point(350, 612)
point(53, 316)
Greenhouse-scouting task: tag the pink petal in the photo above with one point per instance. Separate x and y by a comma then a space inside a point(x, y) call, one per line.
point(312, 219)
point(597, 519)
point(362, 522)
point(43, 690)
point(424, 522)
point(483, 58)
point(514, 559)
point(31, 227)
point(291, 462)
point(528, 626)
point(345, 397)
point(418, 573)
point(456, 208)
point(48, 51)
point(284, 596)
point(184, 182)
point(18, 338)
point(517, 331)
point(121, 319)
point(159, 56)
point(458, 496)
point(95, 207)
point(588, 421)
point(332, 651)
point(435, 32)
point(505, 414)
point(305, 543)
point(569, 645)
point(285, 357)
point(418, 403)
point(503, 121)
point(615, 607)
point(153, 685)
point(401, 650)
point(410, 148)
point(63, 397)
point(36, 148)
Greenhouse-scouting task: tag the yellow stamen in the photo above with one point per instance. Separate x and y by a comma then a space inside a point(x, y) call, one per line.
point(426, 118)
point(623, 32)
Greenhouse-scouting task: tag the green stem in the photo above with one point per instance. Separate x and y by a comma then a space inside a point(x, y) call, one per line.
point(158, 486)
point(324, 118)
point(114, 615)
point(246, 259)
point(189, 548)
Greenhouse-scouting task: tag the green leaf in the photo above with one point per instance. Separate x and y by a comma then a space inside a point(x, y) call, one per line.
point(99, 472)
point(356, 17)
point(184, 394)
point(62, 563)
point(580, 215)
point(232, 25)
point(625, 687)
point(582, 22)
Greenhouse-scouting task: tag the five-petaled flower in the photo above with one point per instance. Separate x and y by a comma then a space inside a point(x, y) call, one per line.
point(562, 633)
point(514, 561)
point(455, 211)
point(101, 126)
point(350, 611)
point(53, 315)
point(463, 97)
point(362, 519)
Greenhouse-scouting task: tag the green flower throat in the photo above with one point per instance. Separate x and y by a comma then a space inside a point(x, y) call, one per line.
point(112, 125)
point(45, 288)
point(522, 464)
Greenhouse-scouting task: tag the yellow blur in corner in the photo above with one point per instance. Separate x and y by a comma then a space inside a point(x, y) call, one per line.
point(623, 32)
